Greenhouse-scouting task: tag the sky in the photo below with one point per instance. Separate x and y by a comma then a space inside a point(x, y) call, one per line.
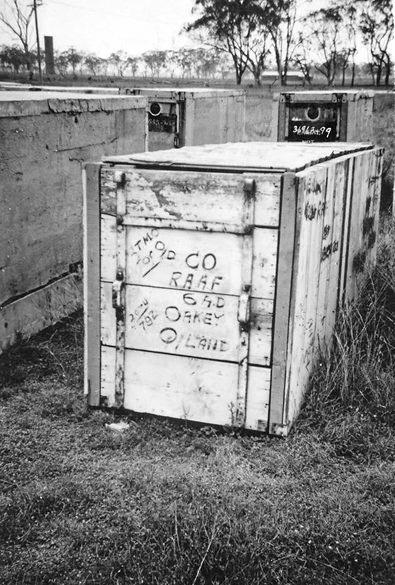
point(107, 26)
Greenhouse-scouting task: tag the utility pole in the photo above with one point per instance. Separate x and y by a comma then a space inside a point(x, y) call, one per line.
point(38, 42)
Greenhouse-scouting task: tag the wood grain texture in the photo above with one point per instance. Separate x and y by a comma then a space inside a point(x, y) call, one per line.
point(284, 272)
point(301, 345)
point(243, 156)
point(174, 259)
point(362, 237)
point(186, 289)
point(120, 296)
point(186, 388)
point(92, 309)
point(203, 317)
point(209, 197)
point(331, 254)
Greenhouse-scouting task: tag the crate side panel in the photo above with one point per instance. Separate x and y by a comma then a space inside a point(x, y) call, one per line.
point(363, 222)
point(312, 202)
point(184, 323)
point(331, 252)
point(185, 388)
point(171, 258)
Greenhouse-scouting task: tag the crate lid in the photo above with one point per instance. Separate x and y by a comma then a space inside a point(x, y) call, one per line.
point(31, 103)
point(242, 156)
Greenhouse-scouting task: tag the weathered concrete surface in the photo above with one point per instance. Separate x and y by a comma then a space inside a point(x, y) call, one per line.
point(44, 139)
point(261, 110)
point(204, 115)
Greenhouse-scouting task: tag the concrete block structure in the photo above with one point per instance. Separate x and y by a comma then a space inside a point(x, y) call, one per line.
point(45, 137)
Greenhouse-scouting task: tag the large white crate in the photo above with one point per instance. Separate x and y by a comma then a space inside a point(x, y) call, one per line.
point(214, 273)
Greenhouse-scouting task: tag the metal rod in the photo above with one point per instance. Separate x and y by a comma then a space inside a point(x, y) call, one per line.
point(38, 42)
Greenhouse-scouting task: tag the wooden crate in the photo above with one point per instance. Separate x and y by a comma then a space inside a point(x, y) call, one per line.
point(213, 273)
point(44, 139)
point(192, 116)
point(323, 116)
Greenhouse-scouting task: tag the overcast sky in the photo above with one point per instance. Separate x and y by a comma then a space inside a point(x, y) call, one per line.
point(106, 26)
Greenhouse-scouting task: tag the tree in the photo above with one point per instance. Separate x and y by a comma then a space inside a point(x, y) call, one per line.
point(93, 63)
point(377, 27)
point(325, 25)
point(229, 26)
point(280, 18)
point(71, 58)
point(155, 61)
point(119, 61)
point(15, 58)
point(302, 57)
point(349, 11)
point(132, 63)
point(244, 28)
point(61, 63)
point(206, 61)
point(184, 60)
point(18, 19)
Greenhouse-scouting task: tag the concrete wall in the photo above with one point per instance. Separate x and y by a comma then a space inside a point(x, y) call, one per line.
point(44, 139)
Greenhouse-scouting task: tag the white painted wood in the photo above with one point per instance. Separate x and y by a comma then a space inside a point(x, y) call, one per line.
point(178, 195)
point(174, 259)
point(194, 316)
point(118, 292)
point(282, 304)
point(183, 307)
point(311, 206)
point(243, 156)
point(332, 298)
point(186, 388)
point(92, 312)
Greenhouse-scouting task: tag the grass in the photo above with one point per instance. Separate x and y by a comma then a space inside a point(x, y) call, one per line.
point(172, 504)
point(167, 503)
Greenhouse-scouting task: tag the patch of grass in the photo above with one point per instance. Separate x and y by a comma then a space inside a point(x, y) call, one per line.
point(351, 399)
point(384, 135)
point(174, 504)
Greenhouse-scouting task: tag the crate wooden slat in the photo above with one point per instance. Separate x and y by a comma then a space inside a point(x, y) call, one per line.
point(220, 274)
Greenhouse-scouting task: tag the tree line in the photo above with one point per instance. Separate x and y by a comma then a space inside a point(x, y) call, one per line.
point(326, 40)
point(248, 36)
point(185, 62)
